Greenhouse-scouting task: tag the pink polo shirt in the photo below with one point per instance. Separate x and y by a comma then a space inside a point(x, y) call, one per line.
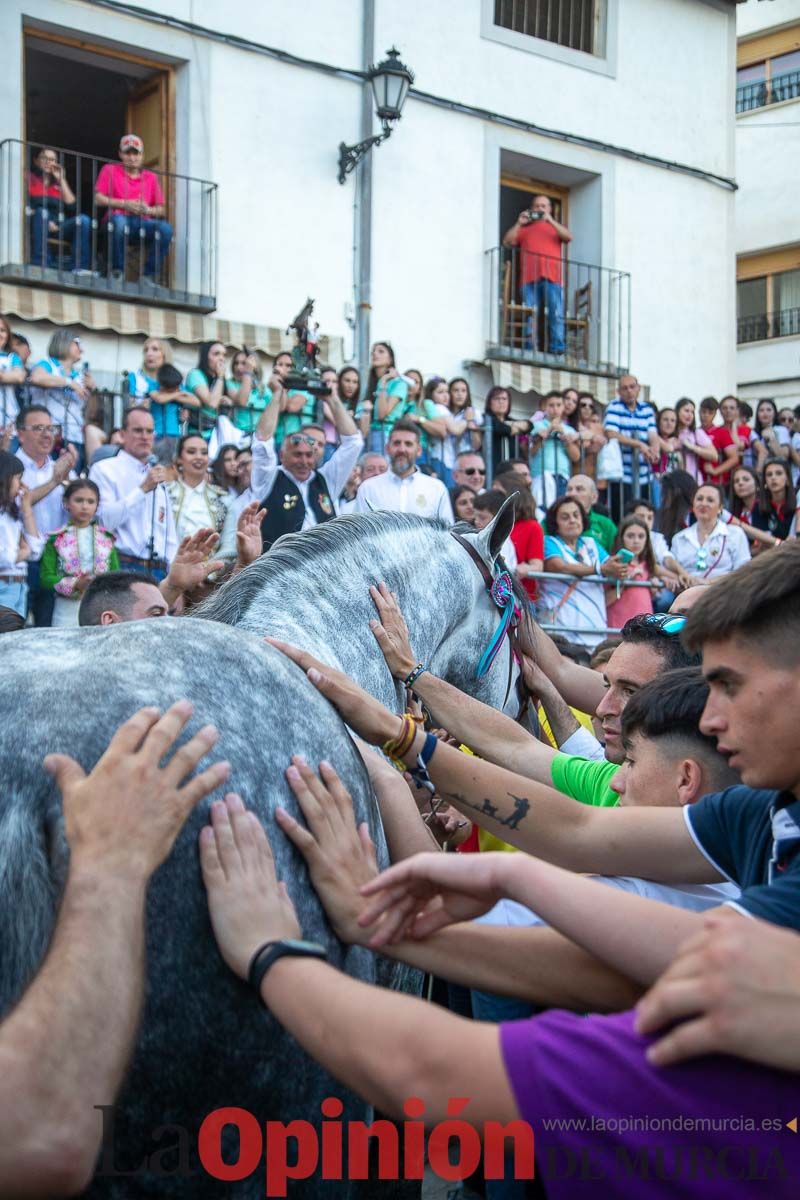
point(114, 182)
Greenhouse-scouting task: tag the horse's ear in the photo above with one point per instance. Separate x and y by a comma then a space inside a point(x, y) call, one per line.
point(490, 540)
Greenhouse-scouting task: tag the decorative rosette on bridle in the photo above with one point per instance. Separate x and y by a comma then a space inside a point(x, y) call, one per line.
point(502, 593)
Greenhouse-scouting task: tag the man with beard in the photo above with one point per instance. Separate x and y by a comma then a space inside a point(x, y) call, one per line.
point(403, 488)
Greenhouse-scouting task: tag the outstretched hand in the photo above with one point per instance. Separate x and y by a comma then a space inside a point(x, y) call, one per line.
point(362, 712)
point(249, 542)
point(391, 632)
point(339, 856)
point(192, 563)
point(416, 897)
point(123, 817)
point(247, 904)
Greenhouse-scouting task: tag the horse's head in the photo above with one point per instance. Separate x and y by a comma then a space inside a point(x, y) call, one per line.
point(478, 653)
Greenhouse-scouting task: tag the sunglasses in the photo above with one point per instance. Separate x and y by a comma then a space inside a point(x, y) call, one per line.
point(664, 622)
point(298, 439)
point(474, 471)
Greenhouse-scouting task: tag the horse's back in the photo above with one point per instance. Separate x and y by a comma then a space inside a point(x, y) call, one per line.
point(205, 1042)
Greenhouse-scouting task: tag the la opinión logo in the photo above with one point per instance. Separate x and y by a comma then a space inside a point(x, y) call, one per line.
point(293, 1150)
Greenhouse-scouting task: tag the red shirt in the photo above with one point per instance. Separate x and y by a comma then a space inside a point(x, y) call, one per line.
point(528, 540)
point(114, 182)
point(37, 189)
point(540, 252)
point(721, 439)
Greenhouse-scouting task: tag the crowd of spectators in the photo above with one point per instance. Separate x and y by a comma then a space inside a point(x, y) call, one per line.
point(617, 510)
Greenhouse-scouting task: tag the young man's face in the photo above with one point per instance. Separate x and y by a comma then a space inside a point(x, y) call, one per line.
point(630, 667)
point(554, 408)
point(650, 776)
point(746, 688)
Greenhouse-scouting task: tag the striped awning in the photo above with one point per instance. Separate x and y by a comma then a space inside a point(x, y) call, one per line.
point(523, 377)
point(89, 312)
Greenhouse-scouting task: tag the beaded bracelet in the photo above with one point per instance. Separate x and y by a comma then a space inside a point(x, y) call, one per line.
point(414, 675)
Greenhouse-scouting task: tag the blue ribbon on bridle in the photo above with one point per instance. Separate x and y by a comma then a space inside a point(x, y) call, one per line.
point(502, 593)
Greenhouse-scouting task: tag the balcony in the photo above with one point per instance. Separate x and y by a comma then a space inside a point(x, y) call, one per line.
point(79, 248)
point(762, 92)
point(764, 326)
point(596, 317)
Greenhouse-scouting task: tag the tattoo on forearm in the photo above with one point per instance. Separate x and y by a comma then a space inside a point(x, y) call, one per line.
point(488, 809)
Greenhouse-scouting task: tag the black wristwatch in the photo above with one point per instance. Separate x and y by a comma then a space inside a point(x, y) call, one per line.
point(270, 952)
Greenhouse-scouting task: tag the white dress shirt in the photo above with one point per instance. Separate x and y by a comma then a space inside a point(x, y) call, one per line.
point(335, 472)
point(133, 515)
point(725, 549)
point(416, 493)
point(49, 512)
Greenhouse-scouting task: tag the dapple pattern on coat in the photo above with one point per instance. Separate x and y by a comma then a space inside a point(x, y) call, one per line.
point(205, 1042)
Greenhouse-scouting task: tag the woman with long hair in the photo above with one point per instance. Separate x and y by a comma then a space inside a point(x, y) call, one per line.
point(64, 390)
point(463, 498)
point(156, 353)
point(196, 503)
point(696, 445)
point(19, 537)
point(527, 536)
point(677, 495)
point(749, 508)
point(588, 421)
point(386, 399)
point(224, 470)
point(781, 497)
point(76, 553)
point(500, 429)
point(772, 439)
point(710, 547)
point(350, 388)
point(246, 390)
point(206, 381)
point(12, 375)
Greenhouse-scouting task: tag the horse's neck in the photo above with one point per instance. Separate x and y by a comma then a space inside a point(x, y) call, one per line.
point(334, 624)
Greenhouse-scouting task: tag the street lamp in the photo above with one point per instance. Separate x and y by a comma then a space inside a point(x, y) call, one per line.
point(390, 82)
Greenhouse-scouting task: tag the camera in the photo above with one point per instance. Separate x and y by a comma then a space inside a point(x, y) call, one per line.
point(533, 216)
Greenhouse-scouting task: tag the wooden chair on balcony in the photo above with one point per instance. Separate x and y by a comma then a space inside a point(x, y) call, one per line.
point(514, 317)
point(579, 324)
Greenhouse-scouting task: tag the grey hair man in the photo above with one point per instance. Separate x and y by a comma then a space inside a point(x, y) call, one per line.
point(584, 489)
point(470, 471)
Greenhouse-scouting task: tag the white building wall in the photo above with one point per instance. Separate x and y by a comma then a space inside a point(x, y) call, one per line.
point(268, 133)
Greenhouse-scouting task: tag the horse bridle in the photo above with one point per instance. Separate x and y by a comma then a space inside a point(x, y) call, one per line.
point(523, 695)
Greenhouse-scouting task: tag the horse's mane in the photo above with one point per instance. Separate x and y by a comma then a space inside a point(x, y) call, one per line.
point(349, 540)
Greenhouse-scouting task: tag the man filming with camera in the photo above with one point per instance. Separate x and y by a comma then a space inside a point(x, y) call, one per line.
point(539, 238)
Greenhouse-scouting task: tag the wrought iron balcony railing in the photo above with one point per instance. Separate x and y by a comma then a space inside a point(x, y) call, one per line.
point(55, 232)
point(763, 92)
point(580, 317)
point(759, 328)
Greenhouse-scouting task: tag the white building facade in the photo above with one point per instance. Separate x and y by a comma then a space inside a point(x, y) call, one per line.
point(622, 111)
point(767, 212)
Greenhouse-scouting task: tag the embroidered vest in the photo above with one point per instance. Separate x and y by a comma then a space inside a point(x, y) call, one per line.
point(286, 511)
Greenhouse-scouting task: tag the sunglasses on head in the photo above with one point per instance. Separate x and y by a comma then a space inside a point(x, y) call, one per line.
point(300, 439)
point(664, 622)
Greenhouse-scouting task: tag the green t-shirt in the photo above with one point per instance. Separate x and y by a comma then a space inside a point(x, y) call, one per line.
point(584, 779)
point(602, 529)
point(247, 418)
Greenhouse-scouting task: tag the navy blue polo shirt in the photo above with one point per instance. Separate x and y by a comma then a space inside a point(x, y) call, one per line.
point(753, 838)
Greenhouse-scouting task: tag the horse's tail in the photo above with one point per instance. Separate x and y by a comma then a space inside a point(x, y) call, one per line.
point(27, 894)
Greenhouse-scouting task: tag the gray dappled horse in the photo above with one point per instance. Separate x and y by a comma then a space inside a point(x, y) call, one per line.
point(204, 1041)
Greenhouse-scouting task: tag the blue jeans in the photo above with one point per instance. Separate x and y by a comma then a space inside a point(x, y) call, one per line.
point(14, 595)
point(547, 296)
point(156, 235)
point(78, 229)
